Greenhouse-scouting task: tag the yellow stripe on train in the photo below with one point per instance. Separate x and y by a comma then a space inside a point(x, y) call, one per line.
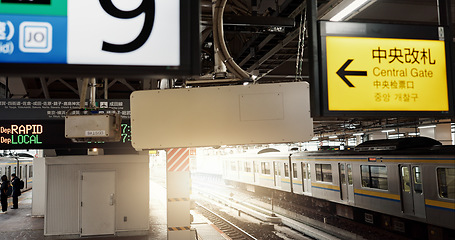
point(266, 177)
point(377, 194)
point(439, 204)
point(327, 186)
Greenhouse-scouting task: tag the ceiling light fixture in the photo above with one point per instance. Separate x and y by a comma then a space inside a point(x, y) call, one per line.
point(349, 9)
point(387, 131)
point(428, 126)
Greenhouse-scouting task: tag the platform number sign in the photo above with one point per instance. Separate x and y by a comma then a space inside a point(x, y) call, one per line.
point(147, 8)
point(94, 32)
point(134, 32)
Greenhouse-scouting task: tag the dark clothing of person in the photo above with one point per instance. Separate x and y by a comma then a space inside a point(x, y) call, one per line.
point(3, 196)
point(16, 191)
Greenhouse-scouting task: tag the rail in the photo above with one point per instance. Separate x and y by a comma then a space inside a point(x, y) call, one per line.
point(230, 229)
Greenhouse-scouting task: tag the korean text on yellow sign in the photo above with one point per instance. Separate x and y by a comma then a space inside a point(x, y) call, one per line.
point(386, 74)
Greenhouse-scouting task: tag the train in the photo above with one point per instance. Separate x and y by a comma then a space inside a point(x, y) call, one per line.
point(403, 185)
point(21, 164)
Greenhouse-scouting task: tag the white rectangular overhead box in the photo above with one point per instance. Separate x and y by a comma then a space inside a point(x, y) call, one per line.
point(213, 116)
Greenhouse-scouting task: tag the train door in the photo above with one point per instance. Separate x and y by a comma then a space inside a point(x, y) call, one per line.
point(350, 183)
point(25, 177)
point(277, 174)
point(343, 182)
point(412, 197)
point(306, 174)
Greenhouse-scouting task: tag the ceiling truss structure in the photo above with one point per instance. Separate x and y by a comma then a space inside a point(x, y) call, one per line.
point(263, 37)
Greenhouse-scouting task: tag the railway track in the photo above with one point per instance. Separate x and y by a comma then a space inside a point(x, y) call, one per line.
point(230, 229)
point(307, 231)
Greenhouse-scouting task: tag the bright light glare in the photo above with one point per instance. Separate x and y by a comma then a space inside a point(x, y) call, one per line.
point(333, 136)
point(386, 131)
point(395, 136)
point(429, 126)
point(358, 134)
point(348, 10)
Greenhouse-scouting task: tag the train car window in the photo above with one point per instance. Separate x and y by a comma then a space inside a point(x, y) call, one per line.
point(318, 172)
point(342, 174)
point(309, 171)
point(247, 166)
point(20, 172)
point(304, 170)
point(14, 171)
point(374, 176)
point(286, 170)
point(406, 181)
point(323, 172)
point(30, 171)
point(294, 170)
point(277, 169)
point(0, 171)
point(233, 166)
point(446, 182)
point(265, 168)
point(349, 174)
point(417, 179)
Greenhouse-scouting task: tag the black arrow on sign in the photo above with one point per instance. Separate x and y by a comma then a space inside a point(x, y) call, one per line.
point(343, 73)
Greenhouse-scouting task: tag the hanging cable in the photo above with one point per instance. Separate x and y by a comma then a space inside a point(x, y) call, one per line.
point(301, 47)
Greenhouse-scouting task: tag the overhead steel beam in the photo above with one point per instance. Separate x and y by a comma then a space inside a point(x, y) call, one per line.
point(45, 88)
point(16, 87)
point(259, 47)
point(124, 82)
point(290, 36)
point(67, 85)
point(258, 21)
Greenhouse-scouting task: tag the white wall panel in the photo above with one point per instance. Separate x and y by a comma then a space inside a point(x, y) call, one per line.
point(63, 189)
point(39, 187)
point(62, 208)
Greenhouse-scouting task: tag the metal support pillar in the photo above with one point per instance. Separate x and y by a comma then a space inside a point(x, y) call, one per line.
point(178, 194)
point(93, 92)
point(445, 20)
point(312, 17)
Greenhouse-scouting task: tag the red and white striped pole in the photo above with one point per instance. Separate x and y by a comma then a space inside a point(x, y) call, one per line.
point(178, 193)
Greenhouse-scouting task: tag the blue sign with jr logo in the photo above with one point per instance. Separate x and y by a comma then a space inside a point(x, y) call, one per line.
point(33, 39)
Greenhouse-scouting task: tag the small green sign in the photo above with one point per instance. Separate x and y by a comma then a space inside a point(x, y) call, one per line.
point(55, 8)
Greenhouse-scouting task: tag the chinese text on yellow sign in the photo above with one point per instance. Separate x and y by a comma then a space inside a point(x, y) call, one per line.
point(385, 74)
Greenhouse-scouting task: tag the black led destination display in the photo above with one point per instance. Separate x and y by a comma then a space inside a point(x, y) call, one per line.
point(50, 134)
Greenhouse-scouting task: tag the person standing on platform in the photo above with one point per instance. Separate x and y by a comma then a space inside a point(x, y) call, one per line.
point(4, 193)
point(16, 182)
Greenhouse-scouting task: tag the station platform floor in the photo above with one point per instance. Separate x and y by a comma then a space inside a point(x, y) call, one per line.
point(19, 224)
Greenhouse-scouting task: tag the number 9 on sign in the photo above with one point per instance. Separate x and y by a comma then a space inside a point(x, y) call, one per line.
point(147, 7)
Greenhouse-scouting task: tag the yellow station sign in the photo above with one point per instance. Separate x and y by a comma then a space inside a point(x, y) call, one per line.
point(386, 74)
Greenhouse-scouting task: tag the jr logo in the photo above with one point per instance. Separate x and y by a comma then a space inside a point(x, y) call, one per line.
point(35, 37)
